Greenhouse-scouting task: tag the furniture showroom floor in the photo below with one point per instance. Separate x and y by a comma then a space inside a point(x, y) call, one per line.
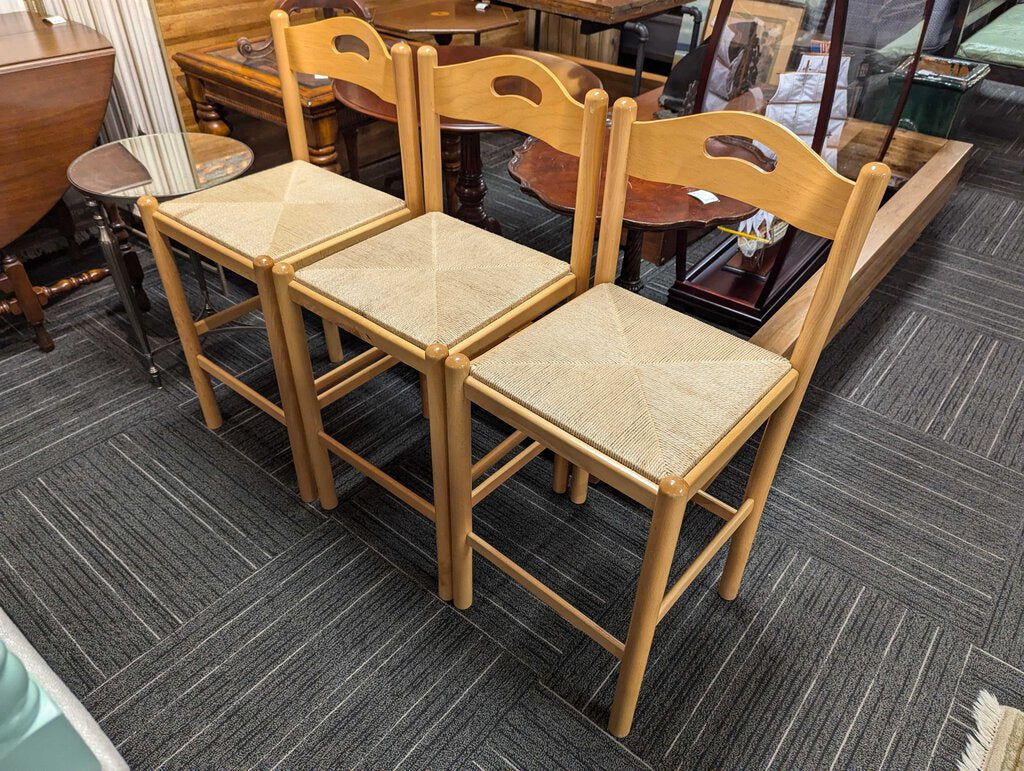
point(208, 619)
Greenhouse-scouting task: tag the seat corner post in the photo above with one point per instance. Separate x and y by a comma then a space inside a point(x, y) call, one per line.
point(159, 244)
point(669, 508)
point(263, 267)
point(436, 355)
point(460, 477)
point(560, 475)
point(297, 345)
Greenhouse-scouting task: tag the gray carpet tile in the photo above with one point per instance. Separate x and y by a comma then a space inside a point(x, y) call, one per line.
point(209, 619)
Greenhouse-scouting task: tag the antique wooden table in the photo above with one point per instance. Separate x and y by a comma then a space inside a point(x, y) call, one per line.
point(442, 19)
point(550, 176)
point(54, 84)
point(223, 77)
point(609, 12)
point(470, 188)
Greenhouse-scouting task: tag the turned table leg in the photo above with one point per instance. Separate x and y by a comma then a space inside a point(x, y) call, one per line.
point(471, 188)
point(629, 276)
point(450, 166)
point(206, 114)
point(128, 255)
point(28, 301)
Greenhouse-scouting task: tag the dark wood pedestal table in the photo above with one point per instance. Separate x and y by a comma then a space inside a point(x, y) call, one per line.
point(550, 176)
point(442, 19)
point(470, 189)
point(164, 166)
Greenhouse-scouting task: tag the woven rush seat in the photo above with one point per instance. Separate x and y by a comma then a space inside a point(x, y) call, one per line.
point(281, 211)
point(645, 385)
point(433, 279)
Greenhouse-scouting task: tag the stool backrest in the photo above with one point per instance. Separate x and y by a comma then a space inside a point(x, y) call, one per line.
point(522, 94)
point(347, 48)
point(802, 189)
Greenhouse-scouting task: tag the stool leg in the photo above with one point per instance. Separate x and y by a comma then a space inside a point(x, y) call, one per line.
point(560, 475)
point(436, 355)
point(580, 482)
point(661, 547)
point(460, 481)
point(285, 380)
point(333, 337)
point(181, 314)
point(305, 389)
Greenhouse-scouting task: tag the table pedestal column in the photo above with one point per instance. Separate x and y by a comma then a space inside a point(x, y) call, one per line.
point(471, 188)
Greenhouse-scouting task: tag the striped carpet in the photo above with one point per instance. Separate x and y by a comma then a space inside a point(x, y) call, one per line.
point(210, 620)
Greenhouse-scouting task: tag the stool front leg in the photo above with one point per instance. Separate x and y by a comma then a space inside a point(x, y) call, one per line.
point(435, 399)
point(305, 388)
point(263, 267)
point(460, 478)
point(176, 300)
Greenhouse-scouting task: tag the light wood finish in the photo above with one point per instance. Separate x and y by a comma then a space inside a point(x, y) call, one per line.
point(180, 312)
point(473, 91)
point(282, 370)
point(443, 91)
point(332, 338)
point(500, 451)
point(226, 316)
point(560, 475)
point(313, 49)
point(309, 48)
point(579, 485)
point(801, 189)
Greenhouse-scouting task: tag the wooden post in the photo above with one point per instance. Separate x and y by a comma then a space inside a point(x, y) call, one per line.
point(305, 388)
point(180, 312)
point(460, 482)
point(262, 267)
point(435, 400)
point(661, 547)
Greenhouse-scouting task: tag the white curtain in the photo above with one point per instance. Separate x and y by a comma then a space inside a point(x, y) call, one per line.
point(142, 100)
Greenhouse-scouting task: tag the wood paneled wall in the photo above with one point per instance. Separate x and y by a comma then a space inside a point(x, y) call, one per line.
point(189, 24)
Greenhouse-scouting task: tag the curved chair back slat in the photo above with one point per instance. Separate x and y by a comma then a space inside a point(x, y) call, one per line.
point(802, 189)
point(518, 93)
point(348, 48)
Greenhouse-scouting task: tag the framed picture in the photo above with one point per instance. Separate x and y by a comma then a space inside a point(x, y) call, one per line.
point(777, 24)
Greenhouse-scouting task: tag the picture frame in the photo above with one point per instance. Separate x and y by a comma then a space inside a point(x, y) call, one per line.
point(780, 23)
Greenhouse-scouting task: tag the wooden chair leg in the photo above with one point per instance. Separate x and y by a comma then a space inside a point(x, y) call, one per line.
point(460, 478)
point(580, 485)
point(263, 267)
point(297, 345)
point(661, 547)
point(333, 337)
point(560, 475)
point(423, 396)
point(435, 398)
point(759, 484)
point(28, 301)
point(181, 314)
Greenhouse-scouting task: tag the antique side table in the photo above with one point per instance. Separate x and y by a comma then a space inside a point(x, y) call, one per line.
point(470, 188)
point(442, 19)
point(164, 166)
point(222, 77)
point(550, 176)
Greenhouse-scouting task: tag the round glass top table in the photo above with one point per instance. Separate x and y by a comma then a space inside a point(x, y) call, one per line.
point(461, 139)
point(164, 166)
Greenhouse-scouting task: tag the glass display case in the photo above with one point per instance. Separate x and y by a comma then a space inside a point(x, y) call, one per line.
point(835, 72)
